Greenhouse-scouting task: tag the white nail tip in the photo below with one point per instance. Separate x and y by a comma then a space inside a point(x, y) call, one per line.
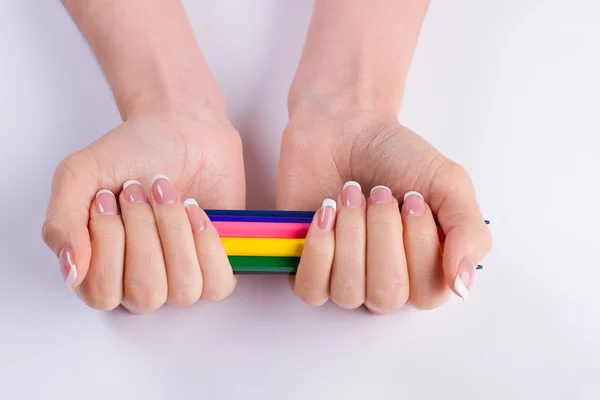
point(71, 277)
point(460, 288)
point(159, 176)
point(104, 191)
point(412, 193)
point(380, 186)
point(190, 202)
point(330, 203)
point(352, 183)
point(131, 182)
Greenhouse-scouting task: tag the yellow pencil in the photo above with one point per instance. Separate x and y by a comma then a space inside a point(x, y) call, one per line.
point(266, 247)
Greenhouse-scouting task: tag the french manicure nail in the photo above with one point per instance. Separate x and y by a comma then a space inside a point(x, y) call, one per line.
point(106, 203)
point(464, 278)
point(134, 192)
point(352, 195)
point(414, 205)
point(381, 195)
point(163, 191)
point(327, 216)
point(68, 269)
point(195, 216)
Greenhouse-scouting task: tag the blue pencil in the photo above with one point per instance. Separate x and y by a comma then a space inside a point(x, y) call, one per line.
point(265, 216)
point(262, 213)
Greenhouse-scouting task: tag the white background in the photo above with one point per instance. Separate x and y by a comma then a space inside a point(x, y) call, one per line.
point(510, 89)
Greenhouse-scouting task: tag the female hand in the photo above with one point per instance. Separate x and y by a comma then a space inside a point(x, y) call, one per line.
point(116, 218)
point(387, 249)
point(135, 244)
point(343, 127)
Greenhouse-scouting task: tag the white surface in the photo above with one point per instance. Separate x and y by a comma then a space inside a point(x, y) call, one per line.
point(508, 88)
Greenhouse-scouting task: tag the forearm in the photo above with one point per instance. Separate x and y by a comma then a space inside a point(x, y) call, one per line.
point(357, 53)
point(149, 55)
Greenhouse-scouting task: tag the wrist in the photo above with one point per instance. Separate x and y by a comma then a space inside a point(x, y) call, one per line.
point(149, 56)
point(197, 96)
point(322, 98)
point(357, 54)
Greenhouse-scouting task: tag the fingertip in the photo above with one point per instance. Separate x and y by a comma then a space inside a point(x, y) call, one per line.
point(190, 202)
point(70, 242)
point(73, 264)
point(464, 247)
point(159, 176)
point(329, 203)
point(105, 203)
point(68, 267)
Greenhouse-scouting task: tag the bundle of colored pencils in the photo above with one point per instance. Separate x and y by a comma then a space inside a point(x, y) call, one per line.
point(263, 242)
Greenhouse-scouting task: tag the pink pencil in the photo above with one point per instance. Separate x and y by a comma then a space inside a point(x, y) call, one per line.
point(285, 230)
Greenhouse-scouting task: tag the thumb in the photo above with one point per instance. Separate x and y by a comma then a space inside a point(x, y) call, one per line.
point(65, 229)
point(468, 239)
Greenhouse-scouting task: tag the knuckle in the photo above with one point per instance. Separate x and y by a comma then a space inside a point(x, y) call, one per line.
point(179, 227)
point(427, 303)
point(486, 239)
point(217, 292)
point(421, 238)
point(65, 169)
point(318, 253)
point(352, 225)
point(388, 299)
point(109, 238)
point(69, 169)
point(457, 171)
point(145, 297)
point(429, 300)
point(184, 294)
point(50, 231)
point(102, 297)
point(141, 221)
point(348, 296)
point(312, 297)
point(382, 221)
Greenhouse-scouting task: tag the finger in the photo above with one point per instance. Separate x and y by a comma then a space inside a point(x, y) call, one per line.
point(217, 274)
point(348, 274)
point(145, 277)
point(467, 238)
point(423, 253)
point(183, 271)
point(102, 287)
point(65, 229)
point(387, 275)
point(314, 271)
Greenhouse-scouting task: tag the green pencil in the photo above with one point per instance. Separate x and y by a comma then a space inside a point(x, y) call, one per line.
point(268, 265)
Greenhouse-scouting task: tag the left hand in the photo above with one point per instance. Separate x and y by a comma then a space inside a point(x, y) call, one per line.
point(385, 250)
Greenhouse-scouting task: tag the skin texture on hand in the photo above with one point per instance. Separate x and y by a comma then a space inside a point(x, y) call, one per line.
point(343, 127)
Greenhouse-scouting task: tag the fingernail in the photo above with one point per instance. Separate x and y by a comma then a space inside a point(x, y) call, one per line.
point(413, 204)
point(195, 216)
point(464, 278)
point(163, 191)
point(106, 203)
point(381, 195)
point(134, 192)
point(68, 269)
point(352, 195)
point(327, 215)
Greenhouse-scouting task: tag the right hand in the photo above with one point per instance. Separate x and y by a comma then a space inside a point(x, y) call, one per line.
point(129, 248)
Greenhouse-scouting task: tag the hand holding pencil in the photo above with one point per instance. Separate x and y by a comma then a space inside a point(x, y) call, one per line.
point(412, 233)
